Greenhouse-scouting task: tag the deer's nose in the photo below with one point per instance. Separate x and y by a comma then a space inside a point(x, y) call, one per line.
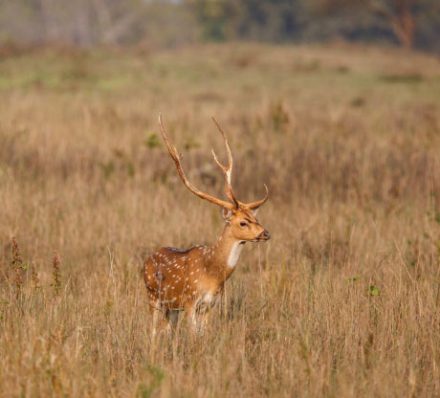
point(265, 235)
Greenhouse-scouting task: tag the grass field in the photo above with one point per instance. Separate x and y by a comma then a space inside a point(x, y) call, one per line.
point(344, 301)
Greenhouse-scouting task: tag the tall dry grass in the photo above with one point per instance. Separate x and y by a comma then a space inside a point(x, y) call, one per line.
point(343, 301)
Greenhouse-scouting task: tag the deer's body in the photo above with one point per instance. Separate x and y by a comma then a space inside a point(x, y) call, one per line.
point(192, 280)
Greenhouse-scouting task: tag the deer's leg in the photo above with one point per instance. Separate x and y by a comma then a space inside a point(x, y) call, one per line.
point(155, 314)
point(194, 320)
point(160, 321)
point(198, 318)
point(172, 318)
point(191, 316)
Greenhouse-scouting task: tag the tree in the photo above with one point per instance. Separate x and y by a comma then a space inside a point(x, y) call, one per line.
point(400, 15)
point(268, 20)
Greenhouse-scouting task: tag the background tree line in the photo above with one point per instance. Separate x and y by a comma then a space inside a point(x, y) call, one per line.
point(410, 23)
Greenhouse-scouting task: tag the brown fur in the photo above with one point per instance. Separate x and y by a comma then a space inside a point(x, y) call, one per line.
point(181, 279)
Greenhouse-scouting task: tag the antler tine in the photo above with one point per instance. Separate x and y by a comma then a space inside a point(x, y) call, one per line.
point(176, 158)
point(255, 205)
point(227, 170)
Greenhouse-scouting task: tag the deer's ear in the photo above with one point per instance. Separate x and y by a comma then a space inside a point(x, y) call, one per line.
point(226, 214)
point(255, 212)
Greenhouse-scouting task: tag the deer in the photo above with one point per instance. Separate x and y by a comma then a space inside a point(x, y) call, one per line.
point(192, 280)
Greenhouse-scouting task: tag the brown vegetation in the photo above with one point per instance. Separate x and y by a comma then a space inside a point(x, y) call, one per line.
point(343, 301)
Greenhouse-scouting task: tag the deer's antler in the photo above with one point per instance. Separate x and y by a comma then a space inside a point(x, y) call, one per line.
point(255, 205)
point(227, 170)
point(176, 158)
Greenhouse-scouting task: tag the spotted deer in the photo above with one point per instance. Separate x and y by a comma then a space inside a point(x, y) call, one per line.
point(192, 279)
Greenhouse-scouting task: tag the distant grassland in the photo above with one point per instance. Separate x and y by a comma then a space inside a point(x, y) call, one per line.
point(343, 301)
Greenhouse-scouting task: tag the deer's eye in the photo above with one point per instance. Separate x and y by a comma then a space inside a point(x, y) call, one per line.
point(243, 224)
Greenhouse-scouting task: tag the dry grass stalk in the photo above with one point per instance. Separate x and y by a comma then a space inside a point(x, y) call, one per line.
point(346, 301)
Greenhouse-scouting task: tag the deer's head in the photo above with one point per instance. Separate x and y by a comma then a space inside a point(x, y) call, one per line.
point(240, 216)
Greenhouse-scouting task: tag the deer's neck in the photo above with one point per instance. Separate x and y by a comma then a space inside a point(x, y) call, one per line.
point(224, 254)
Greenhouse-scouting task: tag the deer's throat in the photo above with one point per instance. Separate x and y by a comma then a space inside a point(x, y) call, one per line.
point(234, 254)
point(226, 253)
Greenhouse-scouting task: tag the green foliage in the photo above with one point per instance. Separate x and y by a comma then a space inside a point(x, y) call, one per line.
point(373, 291)
point(279, 117)
point(107, 168)
point(279, 20)
point(130, 169)
point(119, 163)
point(191, 143)
point(403, 78)
point(212, 16)
point(152, 141)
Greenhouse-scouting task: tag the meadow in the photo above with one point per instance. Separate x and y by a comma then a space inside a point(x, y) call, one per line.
point(343, 301)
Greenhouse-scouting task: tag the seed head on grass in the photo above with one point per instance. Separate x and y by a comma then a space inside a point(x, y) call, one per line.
point(17, 265)
point(35, 278)
point(56, 274)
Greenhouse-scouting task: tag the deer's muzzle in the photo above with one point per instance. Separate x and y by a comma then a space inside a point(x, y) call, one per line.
point(265, 235)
